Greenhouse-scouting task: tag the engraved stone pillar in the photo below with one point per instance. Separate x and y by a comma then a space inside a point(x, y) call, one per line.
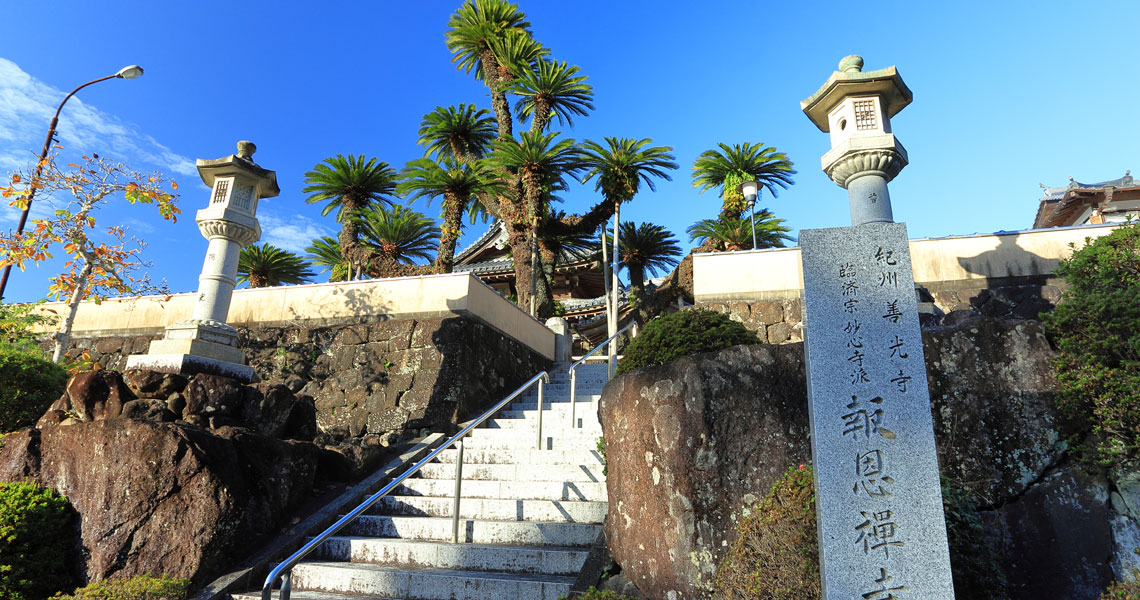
point(205, 343)
point(856, 109)
point(882, 531)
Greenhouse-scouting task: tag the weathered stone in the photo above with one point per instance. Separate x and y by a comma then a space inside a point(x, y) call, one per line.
point(266, 408)
point(352, 335)
point(779, 333)
point(396, 332)
point(1055, 540)
point(97, 395)
point(768, 312)
point(159, 498)
point(153, 384)
point(176, 403)
point(210, 395)
point(685, 442)
point(960, 317)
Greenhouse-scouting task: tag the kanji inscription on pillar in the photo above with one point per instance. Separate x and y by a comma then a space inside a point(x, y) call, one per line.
point(881, 525)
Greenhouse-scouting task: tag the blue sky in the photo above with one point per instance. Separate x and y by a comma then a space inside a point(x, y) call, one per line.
point(1007, 95)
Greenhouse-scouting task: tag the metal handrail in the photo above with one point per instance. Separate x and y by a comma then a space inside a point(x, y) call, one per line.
point(609, 369)
point(285, 569)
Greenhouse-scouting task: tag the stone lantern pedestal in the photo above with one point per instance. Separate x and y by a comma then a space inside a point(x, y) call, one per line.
point(205, 343)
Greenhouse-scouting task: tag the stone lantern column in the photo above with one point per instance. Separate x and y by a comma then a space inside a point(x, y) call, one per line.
point(856, 109)
point(205, 343)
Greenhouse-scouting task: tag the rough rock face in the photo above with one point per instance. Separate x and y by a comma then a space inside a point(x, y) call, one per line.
point(385, 378)
point(692, 443)
point(163, 481)
point(713, 432)
point(163, 498)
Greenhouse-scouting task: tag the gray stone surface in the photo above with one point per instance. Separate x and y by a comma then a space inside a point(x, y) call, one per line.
point(881, 525)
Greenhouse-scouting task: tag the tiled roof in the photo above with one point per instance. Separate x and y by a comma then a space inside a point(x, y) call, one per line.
point(1057, 193)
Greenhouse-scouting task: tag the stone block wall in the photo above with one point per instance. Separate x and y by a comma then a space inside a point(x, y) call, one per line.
point(390, 378)
point(780, 320)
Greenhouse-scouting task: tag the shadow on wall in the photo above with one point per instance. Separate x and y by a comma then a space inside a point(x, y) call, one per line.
point(1013, 281)
point(350, 303)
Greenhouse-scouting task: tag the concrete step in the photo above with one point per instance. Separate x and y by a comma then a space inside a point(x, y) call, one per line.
point(531, 403)
point(515, 473)
point(557, 424)
point(506, 490)
point(527, 456)
point(523, 441)
point(563, 389)
point(570, 511)
point(420, 554)
point(475, 531)
point(304, 595)
point(427, 584)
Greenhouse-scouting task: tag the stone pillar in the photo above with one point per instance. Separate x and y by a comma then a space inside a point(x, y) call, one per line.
point(205, 343)
point(563, 341)
point(856, 108)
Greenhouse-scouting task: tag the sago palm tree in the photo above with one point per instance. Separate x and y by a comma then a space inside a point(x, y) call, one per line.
point(551, 90)
point(458, 185)
point(728, 167)
point(646, 247)
point(541, 161)
point(398, 235)
point(262, 265)
point(325, 252)
point(463, 133)
point(472, 31)
point(350, 186)
point(736, 233)
point(623, 164)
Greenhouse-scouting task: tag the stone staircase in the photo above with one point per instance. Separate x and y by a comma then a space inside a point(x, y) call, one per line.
point(528, 517)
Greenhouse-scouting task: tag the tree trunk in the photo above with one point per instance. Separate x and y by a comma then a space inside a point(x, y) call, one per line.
point(499, 103)
point(453, 205)
point(541, 117)
point(63, 336)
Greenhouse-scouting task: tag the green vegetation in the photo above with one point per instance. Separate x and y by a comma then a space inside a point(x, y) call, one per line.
point(31, 382)
point(681, 333)
point(1096, 328)
point(973, 561)
point(1129, 589)
point(263, 265)
point(36, 535)
point(776, 554)
point(727, 234)
point(730, 166)
point(142, 587)
point(595, 594)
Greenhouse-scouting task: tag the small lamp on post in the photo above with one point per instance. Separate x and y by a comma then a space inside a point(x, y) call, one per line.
point(751, 192)
point(127, 72)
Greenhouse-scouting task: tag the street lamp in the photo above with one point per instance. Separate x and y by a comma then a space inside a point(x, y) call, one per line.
point(751, 191)
point(127, 72)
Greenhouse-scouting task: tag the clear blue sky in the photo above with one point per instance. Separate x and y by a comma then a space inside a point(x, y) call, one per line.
point(1007, 95)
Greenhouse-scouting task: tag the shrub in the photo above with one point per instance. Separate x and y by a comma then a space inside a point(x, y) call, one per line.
point(1129, 589)
point(30, 386)
point(681, 333)
point(595, 594)
point(36, 536)
point(1096, 328)
point(142, 587)
point(776, 554)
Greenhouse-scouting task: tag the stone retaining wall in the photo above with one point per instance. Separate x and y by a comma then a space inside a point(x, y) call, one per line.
point(779, 319)
point(385, 378)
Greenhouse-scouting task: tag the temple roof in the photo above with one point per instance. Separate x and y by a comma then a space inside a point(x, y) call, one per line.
point(1057, 193)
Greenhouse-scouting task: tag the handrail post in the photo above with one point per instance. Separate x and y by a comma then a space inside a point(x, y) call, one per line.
point(573, 396)
point(286, 584)
point(458, 492)
point(538, 440)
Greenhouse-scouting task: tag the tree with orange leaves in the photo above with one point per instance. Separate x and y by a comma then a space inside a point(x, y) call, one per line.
point(100, 263)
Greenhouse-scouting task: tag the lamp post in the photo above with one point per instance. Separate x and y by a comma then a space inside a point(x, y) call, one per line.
point(751, 191)
point(127, 72)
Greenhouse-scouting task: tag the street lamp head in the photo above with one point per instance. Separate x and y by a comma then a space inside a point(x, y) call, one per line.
point(129, 72)
point(749, 189)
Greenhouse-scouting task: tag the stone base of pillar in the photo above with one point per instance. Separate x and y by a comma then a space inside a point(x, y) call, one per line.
point(188, 364)
point(191, 347)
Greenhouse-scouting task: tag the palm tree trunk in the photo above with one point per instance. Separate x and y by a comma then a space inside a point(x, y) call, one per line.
point(453, 205)
point(541, 117)
point(499, 104)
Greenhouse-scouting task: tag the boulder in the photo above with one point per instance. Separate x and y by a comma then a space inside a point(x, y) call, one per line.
point(693, 443)
point(158, 498)
point(688, 445)
point(96, 395)
point(212, 395)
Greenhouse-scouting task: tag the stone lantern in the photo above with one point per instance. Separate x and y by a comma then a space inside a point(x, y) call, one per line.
point(205, 343)
point(856, 107)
